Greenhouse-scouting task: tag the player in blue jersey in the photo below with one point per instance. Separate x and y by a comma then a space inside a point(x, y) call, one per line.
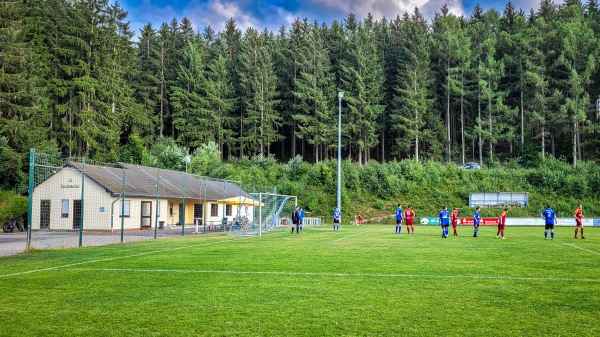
point(336, 219)
point(549, 216)
point(476, 221)
point(300, 217)
point(445, 221)
point(398, 219)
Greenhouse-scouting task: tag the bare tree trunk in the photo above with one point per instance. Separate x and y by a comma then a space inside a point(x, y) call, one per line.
point(490, 121)
point(462, 122)
point(543, 141)
point(579, 150)
point(575, 144)
point(448, 111)
point(522, 119)
point(293, 140)
point(417, 135)
point(479, 124)
point(383, 147)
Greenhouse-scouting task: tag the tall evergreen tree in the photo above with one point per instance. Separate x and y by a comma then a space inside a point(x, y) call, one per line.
point(578, 56)
point(24, 103)
point(218, 100)
point(193, 126)
point(232, 38)
point(147, 83)
point(512, 43)
point(261, 121)
point(314, 92)
point(412, 114)
point(362, 82)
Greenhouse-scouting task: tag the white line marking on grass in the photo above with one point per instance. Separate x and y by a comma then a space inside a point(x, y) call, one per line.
point(325, 274)
point(571, 245)
point(349, 236)
point(126, 257)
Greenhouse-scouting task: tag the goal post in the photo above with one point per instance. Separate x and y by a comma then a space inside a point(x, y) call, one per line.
point(263, 212)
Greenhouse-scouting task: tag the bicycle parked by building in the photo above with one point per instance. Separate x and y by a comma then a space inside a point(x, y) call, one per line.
point(10, 225)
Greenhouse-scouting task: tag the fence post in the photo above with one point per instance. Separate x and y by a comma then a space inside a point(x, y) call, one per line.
point(123, 206)
point(82, 203)
point(182, 215)
point(30, 196)
point(204, 212)
point(156, 212)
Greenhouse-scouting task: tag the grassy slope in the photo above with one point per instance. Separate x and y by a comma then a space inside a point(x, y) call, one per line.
point(360, 281)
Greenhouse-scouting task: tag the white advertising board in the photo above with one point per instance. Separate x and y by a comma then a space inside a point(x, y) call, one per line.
point(540, 222)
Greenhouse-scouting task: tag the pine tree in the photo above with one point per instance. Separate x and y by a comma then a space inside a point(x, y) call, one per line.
point(147, 83)
point(412, 114)
point(232, 38)
point(543, 100)
point(218, 96)
point(193, 127)
point(314, 92)
point(120, 72)
point(578, 55)
point(258, 82)
point(290, 54)
point(383, 38)
point(448, 43)
point(24, 104)
point(512, 46)
point(362, 82)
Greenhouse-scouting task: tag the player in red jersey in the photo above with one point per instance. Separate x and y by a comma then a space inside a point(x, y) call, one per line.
point(578, 222)
point(502, 223)
point(408, 215)
point(454, 220)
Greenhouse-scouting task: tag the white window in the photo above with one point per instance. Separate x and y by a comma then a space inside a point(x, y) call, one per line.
point(228, 209)
point(64, 208)
point(124, 208)
point(214, 210)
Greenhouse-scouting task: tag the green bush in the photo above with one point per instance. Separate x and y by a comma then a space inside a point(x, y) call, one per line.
point(379, 204)
point(12, 205)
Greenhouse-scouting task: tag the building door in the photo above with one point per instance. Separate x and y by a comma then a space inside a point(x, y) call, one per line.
point(181, 214)
point(76, 213)
point(146, 215)
point(44, 214)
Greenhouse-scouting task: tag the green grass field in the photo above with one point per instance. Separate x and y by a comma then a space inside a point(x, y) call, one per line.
point(359, 281)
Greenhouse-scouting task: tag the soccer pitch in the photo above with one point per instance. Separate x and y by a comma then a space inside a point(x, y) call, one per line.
point(359, 281)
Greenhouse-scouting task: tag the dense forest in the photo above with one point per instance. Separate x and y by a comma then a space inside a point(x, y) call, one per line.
point(76, 80)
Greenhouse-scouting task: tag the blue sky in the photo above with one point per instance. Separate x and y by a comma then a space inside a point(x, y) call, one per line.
point(271, 14)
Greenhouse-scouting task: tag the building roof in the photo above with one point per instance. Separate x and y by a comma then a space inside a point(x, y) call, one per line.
point(140, 181)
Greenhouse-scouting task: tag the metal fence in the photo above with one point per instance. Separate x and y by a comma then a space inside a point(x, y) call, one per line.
point(77, 202)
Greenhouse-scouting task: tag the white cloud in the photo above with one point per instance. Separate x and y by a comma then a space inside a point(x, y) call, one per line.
point(216, 13)
point(390, 8)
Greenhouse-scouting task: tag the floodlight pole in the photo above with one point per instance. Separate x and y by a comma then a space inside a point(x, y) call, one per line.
point(339, 172)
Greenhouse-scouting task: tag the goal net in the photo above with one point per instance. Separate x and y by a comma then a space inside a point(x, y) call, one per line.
point(263, 212)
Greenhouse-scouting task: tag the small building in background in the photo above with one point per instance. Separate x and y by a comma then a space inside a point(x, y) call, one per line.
point(133, 197)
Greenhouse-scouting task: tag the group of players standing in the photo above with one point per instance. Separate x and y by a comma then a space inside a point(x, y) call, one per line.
point(549, 216)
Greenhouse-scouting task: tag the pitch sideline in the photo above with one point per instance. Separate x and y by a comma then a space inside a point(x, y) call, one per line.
point(326, 274)
point(570, 245)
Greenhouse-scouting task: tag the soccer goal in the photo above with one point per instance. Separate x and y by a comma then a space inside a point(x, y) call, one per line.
point(263, 212)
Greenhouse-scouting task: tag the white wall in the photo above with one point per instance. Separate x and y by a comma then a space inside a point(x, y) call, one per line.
point(99, 207)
